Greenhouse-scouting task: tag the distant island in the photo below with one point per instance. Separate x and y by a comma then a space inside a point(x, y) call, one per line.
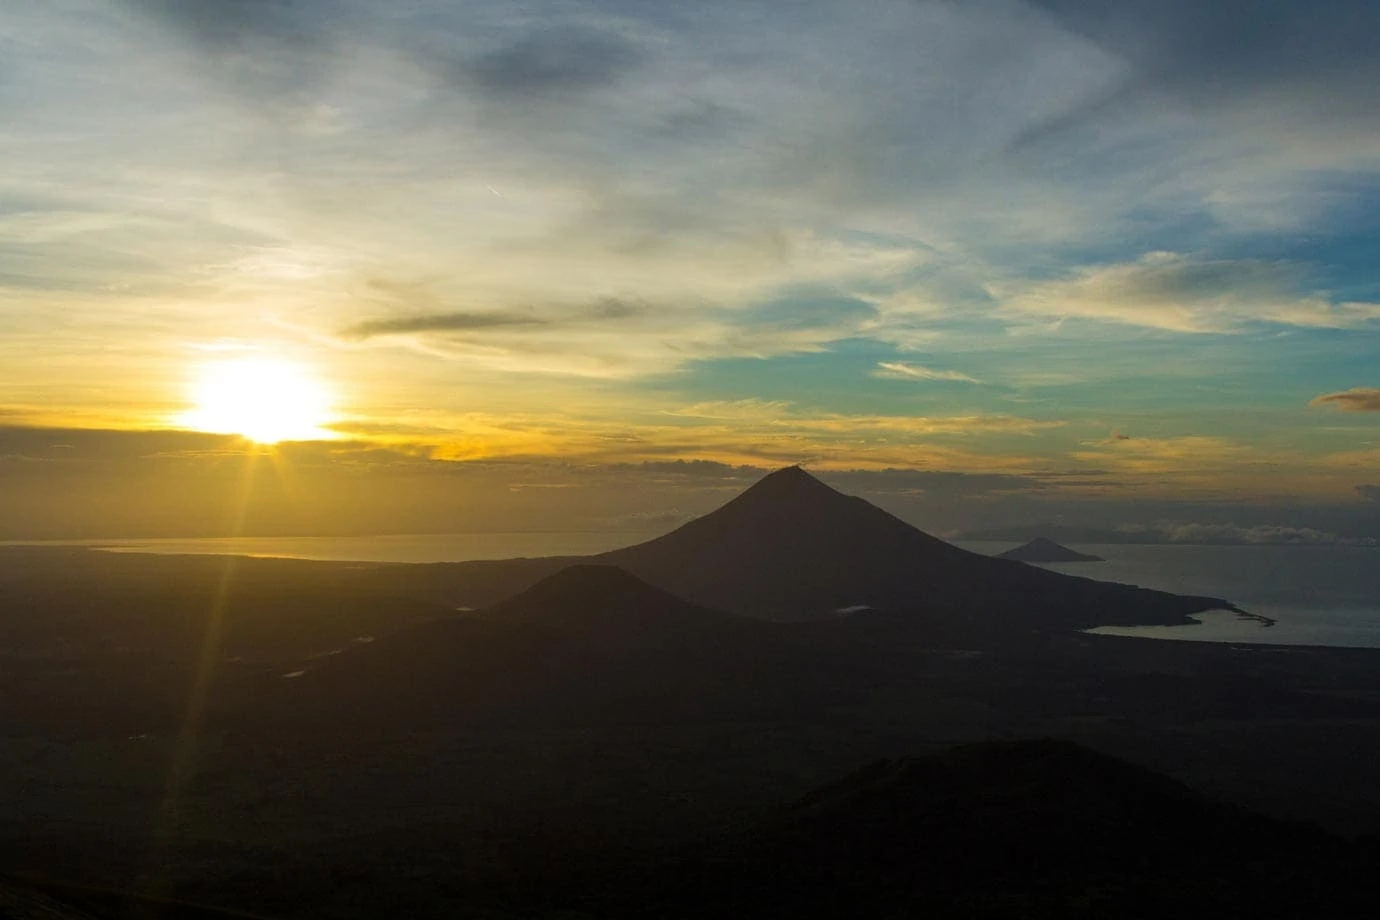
point(1043, 550)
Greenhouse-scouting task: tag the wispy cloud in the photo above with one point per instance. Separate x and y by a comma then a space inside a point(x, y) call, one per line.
point(1199, 465)
point(734, 409)
point(923, 425)
point(782, 415)
point(1164, 454)
point(900, 370)
point(1171, 291)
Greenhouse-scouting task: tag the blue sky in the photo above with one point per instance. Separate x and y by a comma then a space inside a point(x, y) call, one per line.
point(1023, 238)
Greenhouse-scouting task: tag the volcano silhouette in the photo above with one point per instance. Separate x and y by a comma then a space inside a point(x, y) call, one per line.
point(793, 548)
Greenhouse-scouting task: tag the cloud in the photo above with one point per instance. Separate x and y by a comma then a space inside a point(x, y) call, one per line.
point(233, 24)
point(1231, 534)
point(920, 424)
point(707, 469)
point(1186, 464)
point(440, 322)
point(553, 63)
point(278, 55)
point(1281, 96)
point(1165, 290)
point(796, 181)
point(751, 413)
point(1358, 399)
point(935, 482)
point(1208, 54)
point(611, 336)
point(552, 473)
point(1369, 492)
point(593, 475)
point(900, 370)
point(405, 297)
point(734, 409)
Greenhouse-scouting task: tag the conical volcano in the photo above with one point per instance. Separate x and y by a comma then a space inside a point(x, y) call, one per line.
point(793, 548)
point(789, 547)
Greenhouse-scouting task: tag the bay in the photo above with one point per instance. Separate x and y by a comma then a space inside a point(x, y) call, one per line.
point(1317, 595)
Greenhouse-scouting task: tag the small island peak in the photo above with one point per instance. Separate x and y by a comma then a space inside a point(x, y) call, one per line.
point(1043, 549)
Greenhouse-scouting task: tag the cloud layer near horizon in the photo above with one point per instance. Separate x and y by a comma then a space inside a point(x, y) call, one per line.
point(91, 484)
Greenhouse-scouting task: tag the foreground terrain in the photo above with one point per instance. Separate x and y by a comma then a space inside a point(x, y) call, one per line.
point(298, 739)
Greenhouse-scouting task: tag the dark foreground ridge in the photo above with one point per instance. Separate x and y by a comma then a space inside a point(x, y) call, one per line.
point(1042, 549)
point(1018, 829)
point(1014, 829)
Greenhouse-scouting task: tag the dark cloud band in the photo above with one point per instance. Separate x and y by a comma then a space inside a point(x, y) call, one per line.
point(1359, 399)
point(554, 62)
point(440, 322)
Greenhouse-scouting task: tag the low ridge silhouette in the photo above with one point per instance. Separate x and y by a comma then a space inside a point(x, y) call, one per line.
point(590, 643)
point(588, 599)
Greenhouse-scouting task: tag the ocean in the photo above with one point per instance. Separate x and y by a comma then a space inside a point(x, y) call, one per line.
point(1318, 595)
point(449, 547)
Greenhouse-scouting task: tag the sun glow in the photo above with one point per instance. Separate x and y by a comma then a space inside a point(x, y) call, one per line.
point(264, 400)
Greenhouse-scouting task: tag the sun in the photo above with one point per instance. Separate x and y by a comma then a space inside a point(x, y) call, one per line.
point(262, 399)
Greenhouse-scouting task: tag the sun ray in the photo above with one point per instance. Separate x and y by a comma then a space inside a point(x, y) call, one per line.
point(184, 759)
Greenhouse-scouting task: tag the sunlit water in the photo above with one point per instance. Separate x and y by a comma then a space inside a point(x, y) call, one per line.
point(1318, 595)
point(456, 547)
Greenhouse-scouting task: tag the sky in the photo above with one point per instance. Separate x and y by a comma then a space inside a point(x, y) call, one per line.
point(581, 264)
